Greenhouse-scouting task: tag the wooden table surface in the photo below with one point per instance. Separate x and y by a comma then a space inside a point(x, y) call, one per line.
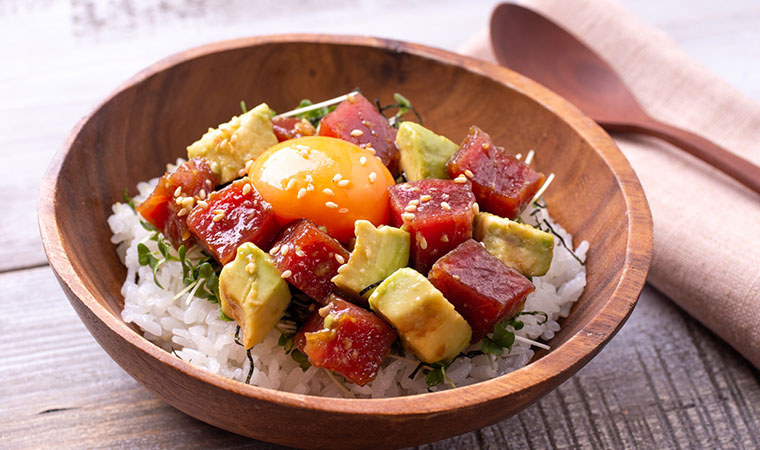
point(664, 381)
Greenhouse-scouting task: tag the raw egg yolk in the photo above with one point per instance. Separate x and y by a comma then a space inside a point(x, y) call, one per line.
point(329, 181)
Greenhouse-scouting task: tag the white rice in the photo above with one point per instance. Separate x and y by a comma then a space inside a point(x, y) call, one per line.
point(190, 326)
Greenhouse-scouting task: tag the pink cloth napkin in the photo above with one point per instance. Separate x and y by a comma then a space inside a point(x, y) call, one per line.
point(706, 225)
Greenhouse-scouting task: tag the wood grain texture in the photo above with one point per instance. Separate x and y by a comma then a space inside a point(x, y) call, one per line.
point(663, 382)
point(133, 133)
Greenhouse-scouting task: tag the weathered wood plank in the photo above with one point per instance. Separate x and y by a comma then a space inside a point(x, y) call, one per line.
point(664, 381)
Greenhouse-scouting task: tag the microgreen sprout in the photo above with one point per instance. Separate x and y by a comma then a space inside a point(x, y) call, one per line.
point(404, 106)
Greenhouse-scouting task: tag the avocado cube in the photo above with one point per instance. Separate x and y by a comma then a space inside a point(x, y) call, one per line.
point(229, 146)
point(428, 324)
point(424, 154)
point(378, 253)
point(518, 245)
point(253, 293)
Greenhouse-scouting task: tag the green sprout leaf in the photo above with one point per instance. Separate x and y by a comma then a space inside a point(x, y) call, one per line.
point(128, 200)
point(404, 106)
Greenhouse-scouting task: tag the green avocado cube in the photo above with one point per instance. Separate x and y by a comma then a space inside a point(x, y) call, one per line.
point(378, 252)
point(253, 293)
point(427, 323)
point(229, 146)
point(424, 154)
point(518, 245)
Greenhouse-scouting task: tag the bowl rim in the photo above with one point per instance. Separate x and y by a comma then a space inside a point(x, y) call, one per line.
point(581, 347)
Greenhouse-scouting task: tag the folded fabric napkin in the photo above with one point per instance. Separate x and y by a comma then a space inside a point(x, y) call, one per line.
point(706, 225)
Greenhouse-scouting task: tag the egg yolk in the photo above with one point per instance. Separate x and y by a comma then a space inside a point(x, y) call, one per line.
point(329, 181)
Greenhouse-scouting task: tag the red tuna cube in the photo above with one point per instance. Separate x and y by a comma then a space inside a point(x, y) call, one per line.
point(502, 183)
point(358, 121)
point(481, 288)
point(347, 339)
point(167, 211)
point(235, 214)
point(438, 215)
point(311, 256)
point(291, 127)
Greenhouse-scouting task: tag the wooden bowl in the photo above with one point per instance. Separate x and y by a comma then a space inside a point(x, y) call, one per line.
point(152, 118)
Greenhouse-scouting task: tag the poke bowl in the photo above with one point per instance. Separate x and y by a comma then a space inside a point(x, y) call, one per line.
point(151, 120)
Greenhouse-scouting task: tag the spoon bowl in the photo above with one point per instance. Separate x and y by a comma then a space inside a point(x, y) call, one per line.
point(529, 43)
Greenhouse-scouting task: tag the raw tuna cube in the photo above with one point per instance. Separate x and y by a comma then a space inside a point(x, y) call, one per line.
point(358, 121)
point(291, 127)
point(233, 215)
point(438, 215)
point(308, 258)
point(481, 288)
point(347, 339)
point(502, 183)
point(167, 211)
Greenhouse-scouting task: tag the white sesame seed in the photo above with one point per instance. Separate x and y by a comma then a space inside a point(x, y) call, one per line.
point(188, 202)
point(218, 211)
point(340, 259)
point(410, 208)
point(446, 206)
point(300, 253)
point(425, 198)
point(218, 217)
point(287, 274)
point(331, 204)
point(342, 268)
point(461, 179)
point(250, 268)
point(301, 193)
point(372, 177)
point(416, 189)
point(337, 177)
point(444, 238)
point(309, 178)
point(202, 194)
point(343, 183)
point(475, 208)
point(233, 138)
point(284, 249)
point(486, 145)
point(248, 164)
point(247, 189)
point(202, 203)
point(178, 191)
point(290, 184)
point(209, 183)
point(371, 150)
point(273, 251)
point(414, 202)
point(356, 133)
point(423, 243)
point(468, 173)
point(242, 172)
point(518, 156)
point(343, 210)
point(379, 158)
point(179, 200)
point(363, 160)
point(407, 215)
point(328, 191)
point(309, 187)
point(182, 212)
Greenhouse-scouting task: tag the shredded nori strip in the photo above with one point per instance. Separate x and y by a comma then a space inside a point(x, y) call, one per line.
point(250, 371)
point(562, 241)
point(237, 336)
point(370, 287)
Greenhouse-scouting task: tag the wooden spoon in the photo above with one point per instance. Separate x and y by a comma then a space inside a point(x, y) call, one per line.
point(533, 45)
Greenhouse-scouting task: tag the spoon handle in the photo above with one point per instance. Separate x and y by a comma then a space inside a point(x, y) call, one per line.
point(733, 165)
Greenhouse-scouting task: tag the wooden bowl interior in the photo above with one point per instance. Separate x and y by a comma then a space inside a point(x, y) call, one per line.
point(136, 132)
